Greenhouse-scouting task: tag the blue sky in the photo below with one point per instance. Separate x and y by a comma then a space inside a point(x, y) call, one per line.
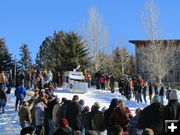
point(30, 21)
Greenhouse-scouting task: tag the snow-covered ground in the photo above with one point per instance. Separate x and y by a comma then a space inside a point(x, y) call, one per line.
point(9, 123)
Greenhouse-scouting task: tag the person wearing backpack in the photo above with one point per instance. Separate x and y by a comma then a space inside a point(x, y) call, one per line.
point(97, 120)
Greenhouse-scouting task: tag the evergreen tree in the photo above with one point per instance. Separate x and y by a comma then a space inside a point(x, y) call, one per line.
point(5, 57)
point(74, 53)
point(43, 57)
point(116, 57)
point(25, 60)
point(63, 51)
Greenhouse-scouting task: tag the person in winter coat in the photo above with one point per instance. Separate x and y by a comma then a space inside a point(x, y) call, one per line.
point(156, 89)
point(20, 78)
point(136, 89)
point(73, 113)
point(97, 119)
point(162, 94)
point(107, 114)
point(64, 128)
point(168, 92)
point(55, 112)
point(88, 120)
point(102, 82)
point(62, 113)
point(82, 102)
point(116, 130)
point(20, 94)
point(48, 114)
point(25, 115)
point(152, 117)
point(172, 110)
point(139, 90)
point(107, 81)
point(145, 92)
point(132, 123)
point(97, 76)
point(150, 91)
point(39, 116)
point(121, 116)
point(84, 112)
point(3, 99)
point(112, 80)
point(2, 80)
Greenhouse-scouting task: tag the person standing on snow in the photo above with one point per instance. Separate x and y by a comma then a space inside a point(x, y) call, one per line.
point(102, 82)
point(20, 94)
point(2, 80)
point(162, 94)
point(121, 116)
point(112, 80)
point(152, 117)
point(108, 112)
point(3, 99)
point(172, 110)
point(25, 115)
point(73, 113)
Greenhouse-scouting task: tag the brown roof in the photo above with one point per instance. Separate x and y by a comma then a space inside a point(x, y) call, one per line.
point(145, 41)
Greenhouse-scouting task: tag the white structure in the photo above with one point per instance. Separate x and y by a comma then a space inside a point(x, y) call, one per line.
point(74, 82)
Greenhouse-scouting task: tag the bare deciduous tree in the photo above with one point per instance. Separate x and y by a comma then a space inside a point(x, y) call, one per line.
point(158, 58)
point(97, 36)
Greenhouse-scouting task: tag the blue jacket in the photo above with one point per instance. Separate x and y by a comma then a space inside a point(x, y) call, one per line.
point(20, 92)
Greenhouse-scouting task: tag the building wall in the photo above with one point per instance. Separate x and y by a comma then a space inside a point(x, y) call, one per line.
point(172, 78)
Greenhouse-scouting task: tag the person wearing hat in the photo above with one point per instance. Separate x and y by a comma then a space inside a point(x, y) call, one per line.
point(172, 110)
point(84, 112)
point(152, 116)
point(73, 113)
point(97, 119)
point(63, 128)
point(108, 112)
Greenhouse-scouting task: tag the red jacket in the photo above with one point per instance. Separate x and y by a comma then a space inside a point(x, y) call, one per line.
point(121, 118)
point(102, 80)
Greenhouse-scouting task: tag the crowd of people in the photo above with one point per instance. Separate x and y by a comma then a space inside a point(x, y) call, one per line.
point(132, 87)
point(45, 114)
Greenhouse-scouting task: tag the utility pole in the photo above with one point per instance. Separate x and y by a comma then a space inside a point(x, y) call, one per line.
point(15, 70)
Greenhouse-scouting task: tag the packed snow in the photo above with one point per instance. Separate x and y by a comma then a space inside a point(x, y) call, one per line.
point(9, 121)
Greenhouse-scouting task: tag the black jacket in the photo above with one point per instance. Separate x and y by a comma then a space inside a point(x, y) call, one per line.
point(50, 107)
point(107, 115)
point(87, 121)
point(73, 115)
point(3, 95)
point(152, 117)
point(64, 131)
point(161, 92)
point(172, 110)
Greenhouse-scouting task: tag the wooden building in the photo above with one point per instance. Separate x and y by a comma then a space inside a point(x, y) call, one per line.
point(173, 76)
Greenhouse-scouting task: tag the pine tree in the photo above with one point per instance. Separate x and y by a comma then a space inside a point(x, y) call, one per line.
point(25, 60)
point(116, 57)
point(74, 52)
point(5, 57)
point(63, 51)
